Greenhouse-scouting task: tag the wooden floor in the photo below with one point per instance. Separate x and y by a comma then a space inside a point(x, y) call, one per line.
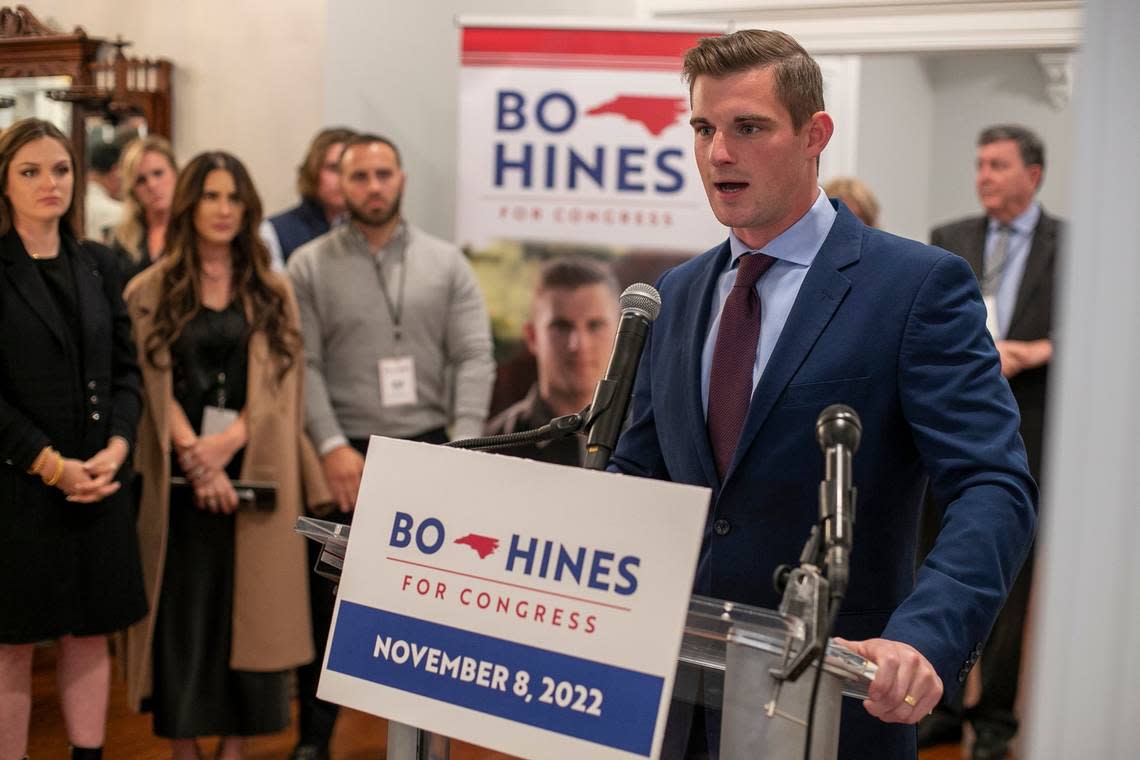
point(358, 736)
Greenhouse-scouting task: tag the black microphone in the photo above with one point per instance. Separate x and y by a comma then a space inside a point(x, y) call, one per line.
point(838, 431)
point(640, 304)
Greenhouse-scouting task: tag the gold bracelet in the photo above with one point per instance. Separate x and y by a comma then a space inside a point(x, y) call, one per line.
point(58, 471)
point(45, 452)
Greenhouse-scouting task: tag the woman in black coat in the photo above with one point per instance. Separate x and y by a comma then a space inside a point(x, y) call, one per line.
point(69, 408)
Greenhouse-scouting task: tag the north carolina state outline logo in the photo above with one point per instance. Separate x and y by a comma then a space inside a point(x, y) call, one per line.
point(484, 546)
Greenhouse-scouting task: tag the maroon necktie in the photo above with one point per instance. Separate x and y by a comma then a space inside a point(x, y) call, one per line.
point(730, 378)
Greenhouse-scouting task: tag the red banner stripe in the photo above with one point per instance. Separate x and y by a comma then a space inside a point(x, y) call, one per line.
point(582, 42)
point(518, 60)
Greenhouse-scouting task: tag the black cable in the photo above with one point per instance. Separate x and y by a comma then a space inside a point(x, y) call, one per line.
point(557, 428)
point(502, 441)
point(832, 615)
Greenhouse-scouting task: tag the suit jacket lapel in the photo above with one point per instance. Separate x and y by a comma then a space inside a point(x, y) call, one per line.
point(701, 293)
point(28, 283)
point(1039, 263)
point(973, 248)
point(822, 291)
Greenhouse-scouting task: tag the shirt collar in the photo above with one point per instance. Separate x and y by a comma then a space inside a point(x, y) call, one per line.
point(799, 243)
point(1023, 223)
point(397, 242)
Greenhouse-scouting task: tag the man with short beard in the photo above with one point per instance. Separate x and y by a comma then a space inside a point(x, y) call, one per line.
point(397, 343)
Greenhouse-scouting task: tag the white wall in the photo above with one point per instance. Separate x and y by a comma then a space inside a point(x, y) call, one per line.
point(1083, 701)
point(975, 90)
point(248, 76)
point(393, 68)
point(896, 111)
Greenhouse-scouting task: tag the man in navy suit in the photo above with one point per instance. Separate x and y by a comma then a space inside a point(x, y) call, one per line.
point(804, 306)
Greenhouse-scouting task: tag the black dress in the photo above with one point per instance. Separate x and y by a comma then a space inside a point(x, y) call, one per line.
point(196, 693)
point(128, 267)
point(68, 379)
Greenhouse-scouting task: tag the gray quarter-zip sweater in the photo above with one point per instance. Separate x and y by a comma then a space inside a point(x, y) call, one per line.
point(348, 326)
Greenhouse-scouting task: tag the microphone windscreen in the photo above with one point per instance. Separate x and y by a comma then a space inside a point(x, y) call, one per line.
point(838, 424)
point(642, 298)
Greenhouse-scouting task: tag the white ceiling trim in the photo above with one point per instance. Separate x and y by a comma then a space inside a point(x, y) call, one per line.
point(896, 26)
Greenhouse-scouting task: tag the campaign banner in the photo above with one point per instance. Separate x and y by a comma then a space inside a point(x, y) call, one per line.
point(579, 135)
point(531, 608)
point(574, 140)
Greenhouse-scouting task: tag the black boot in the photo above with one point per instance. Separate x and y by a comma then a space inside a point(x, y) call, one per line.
point(86, 753)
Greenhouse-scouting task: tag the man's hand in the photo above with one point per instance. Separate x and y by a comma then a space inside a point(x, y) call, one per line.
point(343, 467)
point(1020, 355)
point(903, 672)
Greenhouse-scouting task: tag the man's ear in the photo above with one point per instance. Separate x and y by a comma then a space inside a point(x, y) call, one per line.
point(528, 334)
point(1035, 172)
point(820, 128)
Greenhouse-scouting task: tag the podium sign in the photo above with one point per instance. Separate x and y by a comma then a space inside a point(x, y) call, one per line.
point(530, 608)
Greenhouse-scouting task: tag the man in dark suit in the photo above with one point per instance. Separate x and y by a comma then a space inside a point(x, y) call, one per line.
point(802, 307)
point(1012, 249)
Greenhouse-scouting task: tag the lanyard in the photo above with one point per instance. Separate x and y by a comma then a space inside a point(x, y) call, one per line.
point(241, 344)
point(396, 310)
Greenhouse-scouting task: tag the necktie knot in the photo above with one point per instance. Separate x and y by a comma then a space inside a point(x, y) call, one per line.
point(750, 268)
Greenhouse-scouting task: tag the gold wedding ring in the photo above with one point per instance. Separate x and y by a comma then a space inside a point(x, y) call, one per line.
point(910, 700)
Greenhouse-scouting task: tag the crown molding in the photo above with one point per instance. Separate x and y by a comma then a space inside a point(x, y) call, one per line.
point(896, 26)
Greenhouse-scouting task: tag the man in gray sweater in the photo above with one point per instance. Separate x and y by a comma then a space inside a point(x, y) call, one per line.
point(397, 343)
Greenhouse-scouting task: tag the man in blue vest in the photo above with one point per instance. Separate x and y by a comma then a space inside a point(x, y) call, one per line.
point(322, 202)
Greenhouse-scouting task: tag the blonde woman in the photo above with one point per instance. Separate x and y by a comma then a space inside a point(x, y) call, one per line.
point(857, 197)
point(149, 173)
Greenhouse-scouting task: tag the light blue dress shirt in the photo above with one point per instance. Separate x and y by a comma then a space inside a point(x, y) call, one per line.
point(1020, 241)
point(794, 251)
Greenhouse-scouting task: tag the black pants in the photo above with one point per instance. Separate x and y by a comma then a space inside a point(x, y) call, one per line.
point(317, 717)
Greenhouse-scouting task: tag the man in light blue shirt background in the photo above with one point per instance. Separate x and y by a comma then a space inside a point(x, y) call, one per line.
point(1013, 250)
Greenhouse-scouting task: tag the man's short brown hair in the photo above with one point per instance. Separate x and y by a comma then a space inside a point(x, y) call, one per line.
point(369, 138)
point(310, 169)
point(1029, 145)
point(573, 272)
point(799, 82)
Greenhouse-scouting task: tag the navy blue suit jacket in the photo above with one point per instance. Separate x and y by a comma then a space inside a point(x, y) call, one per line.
point(895, 329)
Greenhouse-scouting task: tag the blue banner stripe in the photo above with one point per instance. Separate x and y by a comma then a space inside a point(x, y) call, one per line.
point(483, 673)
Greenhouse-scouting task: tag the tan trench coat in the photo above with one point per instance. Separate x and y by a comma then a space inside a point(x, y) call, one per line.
point(271, 629)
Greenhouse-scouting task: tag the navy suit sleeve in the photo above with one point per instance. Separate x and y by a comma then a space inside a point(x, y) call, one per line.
point(965, 425)
point(638, 450)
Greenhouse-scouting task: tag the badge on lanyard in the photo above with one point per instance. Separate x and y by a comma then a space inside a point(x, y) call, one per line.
point(398, 381)
point(216, 419)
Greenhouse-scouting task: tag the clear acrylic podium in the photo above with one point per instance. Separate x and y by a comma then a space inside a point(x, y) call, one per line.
point(724, 669)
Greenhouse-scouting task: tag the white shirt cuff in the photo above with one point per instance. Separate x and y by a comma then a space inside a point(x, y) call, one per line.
point(329, 444)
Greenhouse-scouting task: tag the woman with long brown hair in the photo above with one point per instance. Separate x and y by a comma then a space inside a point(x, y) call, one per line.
point(69, 409)
point(220, 349)
point(149, 173)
